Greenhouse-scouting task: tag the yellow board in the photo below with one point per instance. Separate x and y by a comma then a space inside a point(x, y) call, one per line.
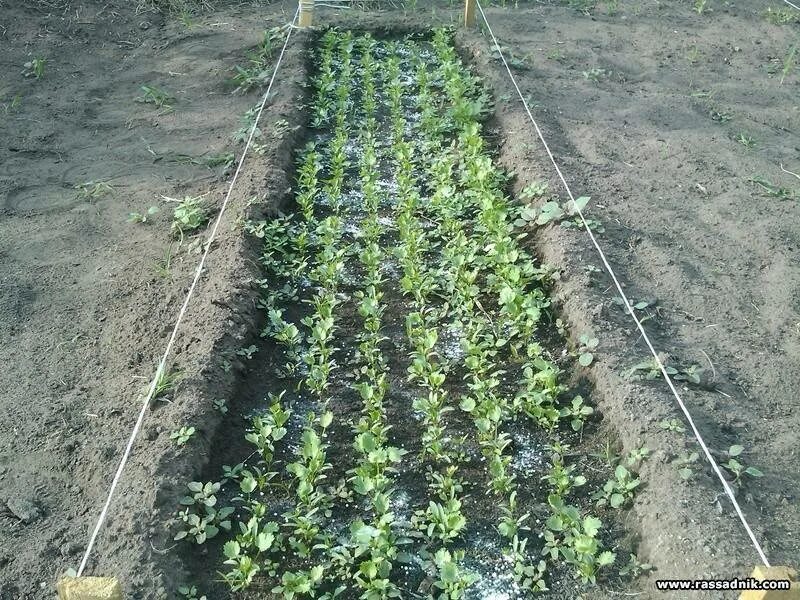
point(762, 573)
point(89, 588)
point(469, 13)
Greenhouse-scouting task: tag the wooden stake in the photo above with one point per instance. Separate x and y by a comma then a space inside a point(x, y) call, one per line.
point(469, 13)
point(89, 588)
point(306, 13)
point(762, 573)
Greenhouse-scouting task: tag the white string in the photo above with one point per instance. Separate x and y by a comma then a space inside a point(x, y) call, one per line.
point(198, 272)
point(646, 338)
point(792, 5)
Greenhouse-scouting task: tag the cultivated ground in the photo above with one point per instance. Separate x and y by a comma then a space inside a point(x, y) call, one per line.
point(665, 117)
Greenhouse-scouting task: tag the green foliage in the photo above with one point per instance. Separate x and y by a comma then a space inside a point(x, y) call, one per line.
point(156, 96)
point(182, 435)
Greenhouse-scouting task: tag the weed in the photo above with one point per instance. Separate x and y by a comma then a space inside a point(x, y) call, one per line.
point(166, 383)
point(693, 56)
point(746, 140)
point(771, 189)
point(781, 15)
point(635, 568)
point(224, 159)
point(720, 116)
point(162, 266)
point(789, 63)
point(136, 217)
point(556, 54)
point(595, 74)
point(221, 405)
point(157, 96)
point(16, 102)
point(182, 435)
point(582, 6)
point(34, 68)
point(92, 190)
point(700, 6)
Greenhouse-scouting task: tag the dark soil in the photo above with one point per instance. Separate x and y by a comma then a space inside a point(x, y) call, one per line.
point(84, 317)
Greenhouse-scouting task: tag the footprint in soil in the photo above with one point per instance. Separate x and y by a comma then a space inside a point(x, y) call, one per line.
point(23, 509)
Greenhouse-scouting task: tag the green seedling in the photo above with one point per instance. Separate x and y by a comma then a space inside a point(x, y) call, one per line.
point(162, 266)
point(136, 217)
point(789, 63)
point(247, 352)
point(700, 6)
point(736, 467)
point(595, 74)
point(771, 189)
point(221, 405)
point(201, 520)
point(190, 593)
point(746, 140)
point(576, 412)
point(92, 190)
point(182, 435)
point(224, 159)
point(13, 106)
point(672, 425)
point(648, 370)
point(720, 116)
point(619, 491)
point(685, 464)
point(166, 383)
point(157, 96)
point(635, 568)
point(34, 68)
point(585, 346)
point(190, 215)
point(782, 16)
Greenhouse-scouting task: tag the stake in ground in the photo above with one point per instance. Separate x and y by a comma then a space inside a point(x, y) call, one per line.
point(418, 435)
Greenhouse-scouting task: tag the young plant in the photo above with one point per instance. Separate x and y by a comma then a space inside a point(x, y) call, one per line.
point(136, 217)
point(156, 96)
point(35, 67)
point(92, 190)
point(182, 435)
point(619, 491)
point(189, 215)
point(737, 468)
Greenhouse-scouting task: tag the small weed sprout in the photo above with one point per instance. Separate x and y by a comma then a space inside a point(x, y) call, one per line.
point(746, 140)
point(182, 435)
point(34, 68)
point(789, 63)
point(635, 568)
point(221, 405)
point(700, 6)
point(595, 74)
point(166, 383)
point(92, 190)
point(156, 96)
